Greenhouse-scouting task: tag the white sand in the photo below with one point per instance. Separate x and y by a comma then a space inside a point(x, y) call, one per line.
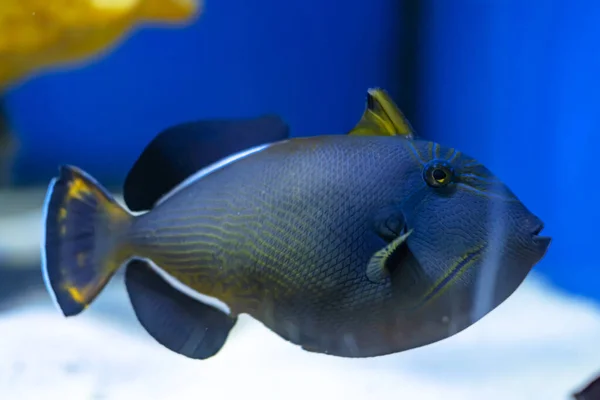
point(538, 345)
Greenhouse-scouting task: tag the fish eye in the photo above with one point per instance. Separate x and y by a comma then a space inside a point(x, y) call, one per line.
point(438, 174)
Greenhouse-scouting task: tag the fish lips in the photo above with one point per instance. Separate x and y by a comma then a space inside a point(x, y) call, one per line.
point(540, 243)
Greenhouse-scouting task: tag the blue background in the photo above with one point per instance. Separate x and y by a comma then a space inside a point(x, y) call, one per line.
point(514, 83)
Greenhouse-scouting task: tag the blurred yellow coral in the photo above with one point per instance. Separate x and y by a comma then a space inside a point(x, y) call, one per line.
point(38, 34)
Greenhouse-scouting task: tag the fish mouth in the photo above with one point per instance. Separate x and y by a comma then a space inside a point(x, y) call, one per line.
point(538, 230)
point(541, 242)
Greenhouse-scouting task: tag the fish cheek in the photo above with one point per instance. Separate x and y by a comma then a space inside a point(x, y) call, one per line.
point(446, 227)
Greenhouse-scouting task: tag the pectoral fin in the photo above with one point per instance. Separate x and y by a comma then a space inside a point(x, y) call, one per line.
point(378, 269)
point(382, 117)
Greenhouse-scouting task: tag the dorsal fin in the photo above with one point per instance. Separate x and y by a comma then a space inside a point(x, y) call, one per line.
point(382, 117)
point(180, 151)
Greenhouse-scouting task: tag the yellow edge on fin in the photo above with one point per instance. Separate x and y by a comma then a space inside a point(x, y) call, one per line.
point(382, 117)
point(376, 270)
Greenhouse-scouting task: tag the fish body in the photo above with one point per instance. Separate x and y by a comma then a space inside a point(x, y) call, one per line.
point(350, 245)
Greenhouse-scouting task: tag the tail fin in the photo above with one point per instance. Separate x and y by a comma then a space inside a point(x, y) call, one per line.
point(84, 239)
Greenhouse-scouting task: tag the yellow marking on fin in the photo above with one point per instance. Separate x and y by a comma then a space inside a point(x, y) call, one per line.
point(63, 230)
point(376, 269)
point(76, 295)
point(78, 189)
point(83, 295)
point(382, 117)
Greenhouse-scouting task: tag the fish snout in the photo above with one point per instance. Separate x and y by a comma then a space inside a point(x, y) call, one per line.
point(534, 228)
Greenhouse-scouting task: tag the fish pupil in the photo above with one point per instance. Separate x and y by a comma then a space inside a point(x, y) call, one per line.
point(439, 175)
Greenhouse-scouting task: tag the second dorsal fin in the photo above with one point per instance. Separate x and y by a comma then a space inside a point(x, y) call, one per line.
point(382, 117)
point(180, 151)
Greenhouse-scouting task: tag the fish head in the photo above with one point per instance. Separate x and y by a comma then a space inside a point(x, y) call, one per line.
point(470, 232)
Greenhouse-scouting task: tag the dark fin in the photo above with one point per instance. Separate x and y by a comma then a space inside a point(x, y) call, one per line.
point(83, 242)
point(175, 320)
point(590, 392)
point(182, 150)
point(382, 117)
point(379, 268)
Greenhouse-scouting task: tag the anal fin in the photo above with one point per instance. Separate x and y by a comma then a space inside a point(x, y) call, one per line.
point(175, 320)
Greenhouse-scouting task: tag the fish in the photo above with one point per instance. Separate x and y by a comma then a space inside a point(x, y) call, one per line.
point(36, 36)
point(350, 245)
point(590, 392)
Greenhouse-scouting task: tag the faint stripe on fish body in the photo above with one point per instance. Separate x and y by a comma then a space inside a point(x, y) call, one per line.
point(210, 205)
point(452, 155)
point(189, 230)
point(185, 214)
point(488, 194)
point(414, 152)
point(478, 177)
point(197, 229)
point(265, 254)
point(203, 238)
point(182, 287)
point(209, 220)
point(472, 164)
point(455, 272)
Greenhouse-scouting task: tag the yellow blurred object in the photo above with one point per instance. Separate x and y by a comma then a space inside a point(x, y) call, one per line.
point(38, 34)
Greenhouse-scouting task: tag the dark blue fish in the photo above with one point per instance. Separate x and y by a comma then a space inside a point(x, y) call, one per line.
point(353, 245)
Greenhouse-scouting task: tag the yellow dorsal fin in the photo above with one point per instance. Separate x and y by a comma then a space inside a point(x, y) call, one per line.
point(382, 117)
